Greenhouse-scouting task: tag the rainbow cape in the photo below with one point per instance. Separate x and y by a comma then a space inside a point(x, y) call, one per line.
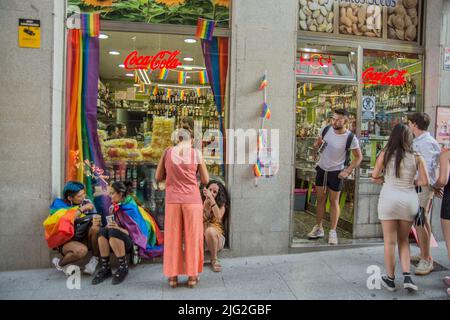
point(59, 225)
point(142, 228)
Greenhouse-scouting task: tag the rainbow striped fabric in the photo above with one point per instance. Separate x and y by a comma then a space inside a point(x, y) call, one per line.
point(59, 225)
point(169, 93)
point(90, 24)
point(198, 91)
point(142, 228)
point(155, 91)
point(181, 77)
point(257, 168)
point(163, 74)
point(264, 83)
point(182, 95)
point(203, 77)
point(265, 111)
point(205, 29)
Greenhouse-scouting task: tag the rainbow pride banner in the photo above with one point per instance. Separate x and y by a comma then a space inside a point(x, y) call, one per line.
point(90, 24)
point(181, 77)
point(265, 112)
point(205, 29)
point(203, 77)
point(163, 74)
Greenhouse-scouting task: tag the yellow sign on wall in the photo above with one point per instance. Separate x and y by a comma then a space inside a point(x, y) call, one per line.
point(29, 33)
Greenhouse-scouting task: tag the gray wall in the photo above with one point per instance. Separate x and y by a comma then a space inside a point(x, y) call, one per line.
point(263, 38)
point(445, 42)
point(25, 128)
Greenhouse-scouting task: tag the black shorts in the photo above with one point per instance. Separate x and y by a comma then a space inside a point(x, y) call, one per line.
point(332, 180)
point(445, 208)
point(114, 233)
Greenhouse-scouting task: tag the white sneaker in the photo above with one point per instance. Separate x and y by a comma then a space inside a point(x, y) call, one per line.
point(424, 267)
point(316, 233)
point(55, 262)
point(332, 237)
point(90, 267)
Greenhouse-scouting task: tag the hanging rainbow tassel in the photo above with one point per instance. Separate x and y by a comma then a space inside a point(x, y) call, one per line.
point(169, 93)
point(205, 29)
point(265, 112)
point(257, 169)
point(264, 83)
point(203, 77)
point(90, 24)
point(155, 91)
point(182, 77)
point(182, 95)
point(198, 91)
point(163, 74)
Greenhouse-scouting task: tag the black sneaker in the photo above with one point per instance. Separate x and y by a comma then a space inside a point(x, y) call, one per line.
point(102, 275)
point(388, 283)
point(409, 285)
point(120, 275)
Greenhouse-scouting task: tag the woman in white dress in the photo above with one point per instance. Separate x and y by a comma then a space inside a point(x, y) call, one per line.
point(396, 168)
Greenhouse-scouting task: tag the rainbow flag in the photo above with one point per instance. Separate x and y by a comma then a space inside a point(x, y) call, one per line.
point(163, 74)
point(142, 228)
point(59, 225)
point(90, 24)
point(155, 91)
point(265, 112)
point(264, 83)
point(203, 77)
point(182, 95)
point(181, 77)
point(257, 169)
point(205, 29)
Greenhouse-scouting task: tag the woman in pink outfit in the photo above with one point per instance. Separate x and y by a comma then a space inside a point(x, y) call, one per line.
point(184, 209)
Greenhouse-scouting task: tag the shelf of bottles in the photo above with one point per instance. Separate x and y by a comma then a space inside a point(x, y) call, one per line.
point(200, 108)
point(392, 105)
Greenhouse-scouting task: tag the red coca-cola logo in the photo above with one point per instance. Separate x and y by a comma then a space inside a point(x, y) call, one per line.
point(393, 77)
point(163, 59)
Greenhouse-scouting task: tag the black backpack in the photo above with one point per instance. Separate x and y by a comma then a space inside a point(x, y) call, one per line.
point(347, 145)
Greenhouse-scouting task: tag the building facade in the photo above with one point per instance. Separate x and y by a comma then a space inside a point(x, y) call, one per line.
point(263, 39)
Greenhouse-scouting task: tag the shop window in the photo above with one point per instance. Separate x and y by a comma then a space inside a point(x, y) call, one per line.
point(403, 20)
point(316, 16)
point(392, 89)
point(148, 105)
point(179, 12)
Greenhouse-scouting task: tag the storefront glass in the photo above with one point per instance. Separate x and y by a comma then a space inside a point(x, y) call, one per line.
point(148, 106)
point(392, 89)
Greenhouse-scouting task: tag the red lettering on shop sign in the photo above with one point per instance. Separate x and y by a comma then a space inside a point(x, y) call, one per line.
point(317, 63)
point(163, 59)
point(393, 77)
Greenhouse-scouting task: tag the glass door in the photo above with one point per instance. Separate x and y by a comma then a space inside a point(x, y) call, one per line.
point(315, 105)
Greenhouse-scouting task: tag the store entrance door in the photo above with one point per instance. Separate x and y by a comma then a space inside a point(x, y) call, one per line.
point(315, 105)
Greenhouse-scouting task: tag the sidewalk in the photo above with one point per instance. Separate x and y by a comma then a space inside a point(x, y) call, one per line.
point(338, 274)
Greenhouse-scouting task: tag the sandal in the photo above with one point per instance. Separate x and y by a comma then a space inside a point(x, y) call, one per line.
point(173, 282)
point(192, 282)
point(215, 265)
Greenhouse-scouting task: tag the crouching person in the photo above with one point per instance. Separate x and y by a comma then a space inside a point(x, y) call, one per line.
point(128, 226)
point(73, 207)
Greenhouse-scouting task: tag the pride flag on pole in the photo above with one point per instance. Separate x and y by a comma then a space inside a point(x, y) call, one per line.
point(90, 24)
point(264, 83)
point(205, 29)
point(265, 112)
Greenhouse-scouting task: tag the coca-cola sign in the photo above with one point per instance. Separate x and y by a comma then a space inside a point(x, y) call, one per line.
point(393, 77)
point(163, 59)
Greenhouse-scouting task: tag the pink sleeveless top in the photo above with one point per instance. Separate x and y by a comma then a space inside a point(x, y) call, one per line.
point(181, 178)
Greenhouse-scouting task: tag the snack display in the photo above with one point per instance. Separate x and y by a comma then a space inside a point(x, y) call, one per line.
point(360, 19)
point(122, 149)
point(161, 138)
point(403, 21)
